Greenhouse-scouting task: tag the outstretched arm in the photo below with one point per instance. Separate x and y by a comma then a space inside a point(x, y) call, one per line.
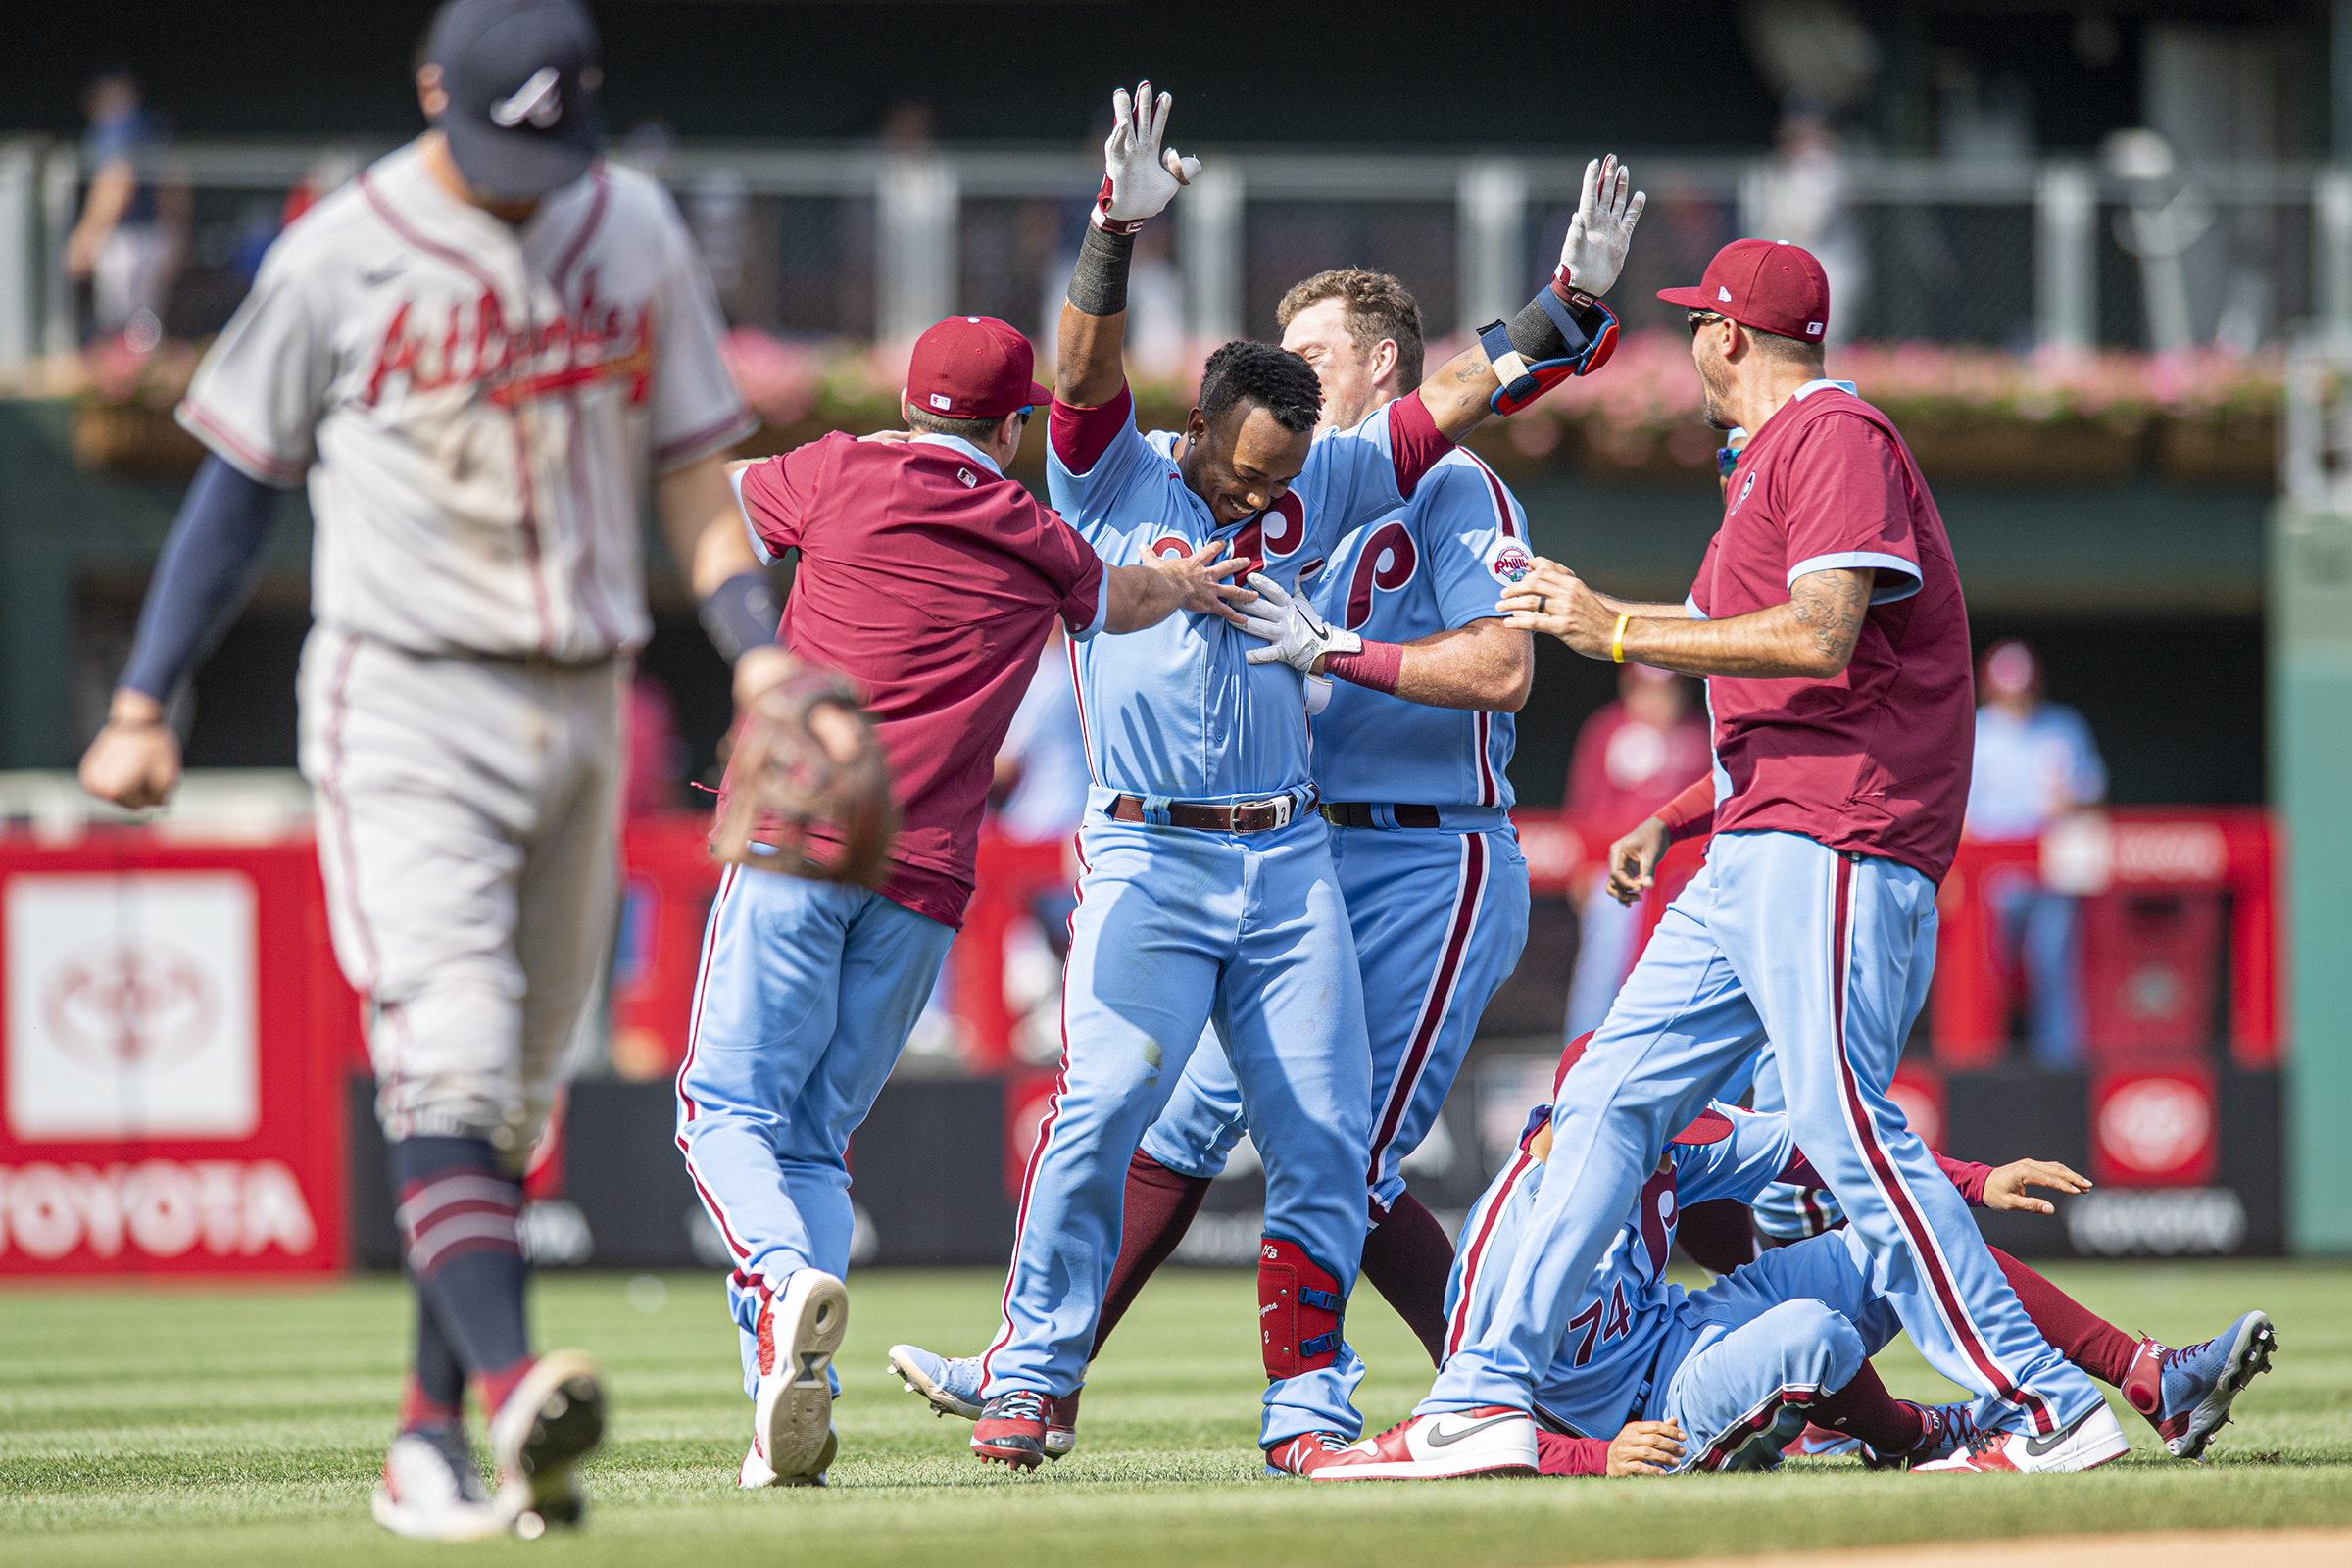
point(1139, 178)
point(1564, 330)
point(1810, 637)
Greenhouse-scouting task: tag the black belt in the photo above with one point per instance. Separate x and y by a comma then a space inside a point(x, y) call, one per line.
point(1361, 813)
point(1241, 816)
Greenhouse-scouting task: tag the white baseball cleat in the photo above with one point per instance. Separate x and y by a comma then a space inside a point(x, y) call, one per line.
point(431, 1492)
point(2085, 1442)
point(1492, 1440)
point(950, 1385)
point(553, 1419)
point(792, 1416)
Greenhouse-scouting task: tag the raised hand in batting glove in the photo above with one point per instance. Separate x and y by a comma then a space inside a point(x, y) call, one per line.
point(1138, 177)
point(1295, 634)
point(1602, 229)
point(805, 761)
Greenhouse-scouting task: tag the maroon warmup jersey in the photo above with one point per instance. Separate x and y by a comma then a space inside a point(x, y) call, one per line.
point(1875, 759)
point(930, 580)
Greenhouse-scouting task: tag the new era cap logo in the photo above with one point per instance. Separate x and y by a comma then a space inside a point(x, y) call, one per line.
point(539, 100)
point(938, 400)
point(1723, 294)
point(1812, 329)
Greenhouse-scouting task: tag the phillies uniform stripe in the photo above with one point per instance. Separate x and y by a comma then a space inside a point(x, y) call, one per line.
point(694, 1040)
point(1889, 1181)
point(1485, 766)
point(1045, 1135)
point(1766, 1411)
point(1086, 737)
point(1469, 894)
point(1502, 500)
point(1476, 1253)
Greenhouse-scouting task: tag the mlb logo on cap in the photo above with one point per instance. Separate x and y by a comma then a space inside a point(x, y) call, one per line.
point(1768, 284)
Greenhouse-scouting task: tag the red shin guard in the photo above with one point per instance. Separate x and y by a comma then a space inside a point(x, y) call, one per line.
point(1298, 1308)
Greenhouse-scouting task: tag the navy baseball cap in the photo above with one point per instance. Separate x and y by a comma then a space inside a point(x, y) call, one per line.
point(522, 78)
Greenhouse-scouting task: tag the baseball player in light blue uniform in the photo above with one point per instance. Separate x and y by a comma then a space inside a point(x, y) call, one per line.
point(1436, 887)
point(1207, 895)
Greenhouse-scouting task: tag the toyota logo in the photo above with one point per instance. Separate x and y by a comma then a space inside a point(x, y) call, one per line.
point(2155, 1125)
point(130, 1010)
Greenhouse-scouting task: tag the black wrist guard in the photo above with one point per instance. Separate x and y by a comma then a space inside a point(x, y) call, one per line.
point(1099, 283)
point(1547, 327)
point(741, 615)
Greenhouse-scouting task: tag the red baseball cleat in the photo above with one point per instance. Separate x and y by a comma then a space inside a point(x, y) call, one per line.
point(1304, 1455)
point(1492, 1440)
point(2085, 1442)
point(1011, 1430)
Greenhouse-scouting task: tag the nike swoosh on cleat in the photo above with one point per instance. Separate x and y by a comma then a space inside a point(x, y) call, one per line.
point(2037, 1446)
point(1439, 1440)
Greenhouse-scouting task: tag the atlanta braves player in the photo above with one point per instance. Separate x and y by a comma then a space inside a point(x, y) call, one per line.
point(480, 353)
point(1828, 617)
point(1208, 892)
point(1428, 863)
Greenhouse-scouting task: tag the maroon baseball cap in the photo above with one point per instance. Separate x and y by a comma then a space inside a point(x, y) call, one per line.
point(973, 368)
point(1768, 284)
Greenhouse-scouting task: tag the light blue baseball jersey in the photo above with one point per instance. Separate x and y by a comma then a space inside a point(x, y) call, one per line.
point(1436, 563)
point(1177, 711)
point(1628, 1305)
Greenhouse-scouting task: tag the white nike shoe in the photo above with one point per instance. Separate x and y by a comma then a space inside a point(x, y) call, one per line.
point(1492, 1440)
point(2085, 1442)
point(431, 1492)
point(792, 1415)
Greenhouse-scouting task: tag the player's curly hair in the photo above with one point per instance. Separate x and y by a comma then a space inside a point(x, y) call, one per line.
point(1378, 307)
point(1266, 375)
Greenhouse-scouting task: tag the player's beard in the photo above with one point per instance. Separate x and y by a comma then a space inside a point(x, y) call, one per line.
point(1715, 382)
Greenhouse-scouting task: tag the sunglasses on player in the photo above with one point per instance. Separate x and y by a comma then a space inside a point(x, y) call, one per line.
point(1695, 320)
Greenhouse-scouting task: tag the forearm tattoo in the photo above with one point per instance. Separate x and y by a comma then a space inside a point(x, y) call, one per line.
point(1830, 606)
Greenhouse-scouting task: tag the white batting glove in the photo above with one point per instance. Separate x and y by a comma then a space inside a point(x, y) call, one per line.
point(1602, 229)
point(1138, 177)
point(1295, 634)
point(1318, 694)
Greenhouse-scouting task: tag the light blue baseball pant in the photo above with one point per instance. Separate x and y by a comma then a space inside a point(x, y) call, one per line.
point(1790, 1211)
point(1749, 1352)
point(1174, 929)
point(1439, 918)
point(1824, 953)
point(807, 993)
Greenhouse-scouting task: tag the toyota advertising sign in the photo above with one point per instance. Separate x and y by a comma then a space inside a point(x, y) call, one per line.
point(169, 1101)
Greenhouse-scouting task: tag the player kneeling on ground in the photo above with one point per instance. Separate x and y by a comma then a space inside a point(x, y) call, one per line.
point(811, 983)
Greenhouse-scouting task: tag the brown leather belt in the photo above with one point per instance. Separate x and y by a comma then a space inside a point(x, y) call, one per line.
point(1246, 816)
point(1363, 813)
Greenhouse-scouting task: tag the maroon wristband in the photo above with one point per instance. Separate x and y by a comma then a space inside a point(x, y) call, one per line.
point(1377, 667)
point(1100, 216)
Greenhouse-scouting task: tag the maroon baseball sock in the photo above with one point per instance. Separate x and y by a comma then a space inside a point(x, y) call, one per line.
point(1864, 1409)
point(1160, 1204)
point(1406, 1258)
point(1717, 1233)
point(2074, 1330)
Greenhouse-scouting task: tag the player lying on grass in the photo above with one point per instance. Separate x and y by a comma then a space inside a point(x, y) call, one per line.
point(1435, 889)
point(1207, 891)
point(1721, 1379)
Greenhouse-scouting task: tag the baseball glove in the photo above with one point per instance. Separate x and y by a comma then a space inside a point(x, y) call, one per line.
point(784, 783)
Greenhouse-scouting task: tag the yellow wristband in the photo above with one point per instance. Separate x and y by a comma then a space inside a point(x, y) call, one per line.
point(1617, 642)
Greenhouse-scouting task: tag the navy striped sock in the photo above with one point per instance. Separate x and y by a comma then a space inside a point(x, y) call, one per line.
point(460, 1230)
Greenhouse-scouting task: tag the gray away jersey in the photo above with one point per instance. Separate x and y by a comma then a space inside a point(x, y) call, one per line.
point(479, 408)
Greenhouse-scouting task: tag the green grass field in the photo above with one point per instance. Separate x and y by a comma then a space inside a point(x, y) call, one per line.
point(218, 1426)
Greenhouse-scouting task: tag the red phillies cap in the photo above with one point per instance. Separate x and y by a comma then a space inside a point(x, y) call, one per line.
point(973, 368)
point(1768, 284)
